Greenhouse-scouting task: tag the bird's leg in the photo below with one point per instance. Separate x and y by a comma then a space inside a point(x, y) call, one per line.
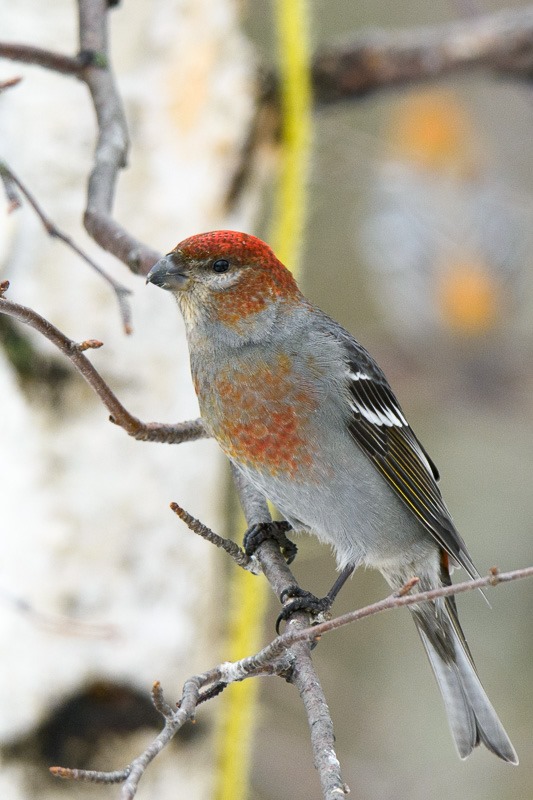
point(306, 601)
point(261, 531)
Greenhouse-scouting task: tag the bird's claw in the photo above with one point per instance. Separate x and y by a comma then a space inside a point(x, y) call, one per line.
point(302, 601)
point(261, 531)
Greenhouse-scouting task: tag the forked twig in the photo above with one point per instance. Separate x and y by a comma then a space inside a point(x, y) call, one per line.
point(277, 658)
point(142, 431)
point(11, 180)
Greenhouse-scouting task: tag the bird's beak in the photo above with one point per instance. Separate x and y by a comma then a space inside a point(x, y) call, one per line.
point(168, 273)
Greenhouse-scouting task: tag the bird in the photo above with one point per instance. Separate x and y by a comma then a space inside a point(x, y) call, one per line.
point(307, 417)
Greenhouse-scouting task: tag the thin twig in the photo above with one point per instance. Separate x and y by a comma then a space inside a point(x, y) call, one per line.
point(142, 431)
point(183, 714)
point(13, 197)
point(9, 83)
point(160, 704)
point(406, 588)
point(337, 75)
point(89, 344)
point(214, 691)
point(26, 54)
point(298, 667)
point(377, 60)
point(396, 600)
point(55, 623)
point(371, 61)
point(320, 723)
point(90, 775)
point(273, 564)
point(286, 655)
point(92, 66)
point(10, 179)
point(229, 546)
point(112, 145)
point(238, 670)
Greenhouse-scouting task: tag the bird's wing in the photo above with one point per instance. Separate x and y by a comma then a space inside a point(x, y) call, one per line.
point(378, 426)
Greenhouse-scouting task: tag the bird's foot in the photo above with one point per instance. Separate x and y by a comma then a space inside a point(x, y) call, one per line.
point(259, 533)
point(306, 601)
point(302, 601)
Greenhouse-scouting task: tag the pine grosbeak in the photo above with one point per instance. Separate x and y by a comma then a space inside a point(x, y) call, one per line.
point(305, 413)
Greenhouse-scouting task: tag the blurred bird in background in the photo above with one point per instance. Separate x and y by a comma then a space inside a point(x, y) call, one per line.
point(448, 245)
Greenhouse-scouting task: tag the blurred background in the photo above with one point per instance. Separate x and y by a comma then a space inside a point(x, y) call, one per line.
point(418, 240)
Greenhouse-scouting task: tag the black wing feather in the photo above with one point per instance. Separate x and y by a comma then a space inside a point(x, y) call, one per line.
point(380, 429)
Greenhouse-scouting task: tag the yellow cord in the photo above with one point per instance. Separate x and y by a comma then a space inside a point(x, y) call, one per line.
point(249, 594)
point(290, 203)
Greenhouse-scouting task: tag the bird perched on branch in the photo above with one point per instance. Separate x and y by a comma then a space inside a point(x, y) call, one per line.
point(307, 416)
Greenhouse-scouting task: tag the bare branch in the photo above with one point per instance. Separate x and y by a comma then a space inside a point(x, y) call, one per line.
point(92, 67)
point(238, 670)
point(320, 723)
point(142, 431)
point(131, 775)
point(229, 546)
point(27, 54)
point(55, 623)
point(9, 83)
point(286, 655)
point(272, 562)
point(13, 197)
point(406, 588)
point(219, 687)
point(297, 667)
point(89, 775)
point(184, 713)
point(501, 42)
point(112, 145)
point(396, 600)
point(89, 344)
point(10, 179)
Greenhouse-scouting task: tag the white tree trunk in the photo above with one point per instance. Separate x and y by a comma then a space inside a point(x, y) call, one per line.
point(86, 529)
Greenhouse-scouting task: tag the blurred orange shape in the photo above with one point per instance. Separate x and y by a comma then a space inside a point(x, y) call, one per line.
point(469, 298)
point(432, 130)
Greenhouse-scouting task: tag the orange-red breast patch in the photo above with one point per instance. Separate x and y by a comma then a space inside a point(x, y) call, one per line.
point(258, 415)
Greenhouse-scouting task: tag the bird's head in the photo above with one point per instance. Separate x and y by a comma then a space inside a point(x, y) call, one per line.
point(231, 279)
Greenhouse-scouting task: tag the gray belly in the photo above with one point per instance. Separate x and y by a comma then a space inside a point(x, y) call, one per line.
point(349, 505)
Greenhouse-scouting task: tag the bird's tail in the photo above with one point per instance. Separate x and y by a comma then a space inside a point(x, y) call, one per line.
point(470, 713)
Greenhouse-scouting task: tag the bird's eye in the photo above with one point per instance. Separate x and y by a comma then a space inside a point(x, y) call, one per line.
point(220, 265)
